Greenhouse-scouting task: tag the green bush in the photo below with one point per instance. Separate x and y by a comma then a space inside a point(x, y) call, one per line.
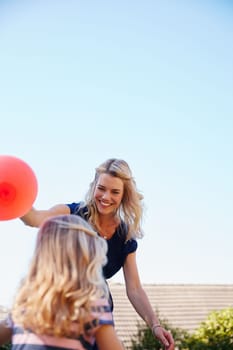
point(5, 347)
point(145, 340)
point(216, 333)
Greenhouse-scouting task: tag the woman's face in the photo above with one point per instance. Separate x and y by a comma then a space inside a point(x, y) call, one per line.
point(108, 194)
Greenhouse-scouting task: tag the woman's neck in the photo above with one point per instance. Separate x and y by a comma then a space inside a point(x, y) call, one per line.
point(107, 225)
point(107, 219)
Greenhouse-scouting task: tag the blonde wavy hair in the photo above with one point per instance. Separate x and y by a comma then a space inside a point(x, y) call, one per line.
point(64, 278)
point(131, 209)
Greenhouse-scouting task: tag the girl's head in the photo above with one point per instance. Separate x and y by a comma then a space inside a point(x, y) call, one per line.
point(65, 276)
point(72, 249)
point(114, 192)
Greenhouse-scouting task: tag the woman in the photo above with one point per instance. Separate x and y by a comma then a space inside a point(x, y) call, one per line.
point(62, 302)
point(113, 207)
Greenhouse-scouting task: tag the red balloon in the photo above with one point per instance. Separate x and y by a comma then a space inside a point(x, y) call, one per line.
point(18, 187)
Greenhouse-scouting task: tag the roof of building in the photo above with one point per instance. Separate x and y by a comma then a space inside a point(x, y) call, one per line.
point(181, 305)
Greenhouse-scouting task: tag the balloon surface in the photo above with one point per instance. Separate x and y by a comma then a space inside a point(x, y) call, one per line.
point(18, 187)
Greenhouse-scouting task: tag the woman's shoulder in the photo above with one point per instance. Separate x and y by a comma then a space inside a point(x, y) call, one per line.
point(73, 206)
point(78, 208)
point(122, 236)
point(130, 244)
point(122, 229)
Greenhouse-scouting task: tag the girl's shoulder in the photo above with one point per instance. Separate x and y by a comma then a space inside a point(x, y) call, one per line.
point(101, 314)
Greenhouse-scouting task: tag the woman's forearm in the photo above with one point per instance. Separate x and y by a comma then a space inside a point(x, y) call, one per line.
point(142, 306)
point(35, 218)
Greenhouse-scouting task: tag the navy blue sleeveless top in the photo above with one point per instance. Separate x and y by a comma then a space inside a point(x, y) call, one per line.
point(118, 247)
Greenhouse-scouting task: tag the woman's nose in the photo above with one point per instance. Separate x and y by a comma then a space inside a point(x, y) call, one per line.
point(106, 195)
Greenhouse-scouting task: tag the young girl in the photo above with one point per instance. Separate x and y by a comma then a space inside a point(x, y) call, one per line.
point(63, 301)
point(114, 209)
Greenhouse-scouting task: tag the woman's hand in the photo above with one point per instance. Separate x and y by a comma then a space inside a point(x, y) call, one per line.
point(164, 337)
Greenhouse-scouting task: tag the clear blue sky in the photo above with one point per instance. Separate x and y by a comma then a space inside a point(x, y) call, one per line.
point(147, 81)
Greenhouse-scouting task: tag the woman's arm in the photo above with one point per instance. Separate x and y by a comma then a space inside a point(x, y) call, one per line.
point(106, 338)
point(140, 302)
point(35, 217)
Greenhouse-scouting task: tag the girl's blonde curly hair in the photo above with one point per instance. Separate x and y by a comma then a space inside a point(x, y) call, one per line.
point(64, 278)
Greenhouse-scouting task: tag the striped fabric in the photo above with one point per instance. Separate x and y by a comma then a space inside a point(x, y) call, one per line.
point(27, 340)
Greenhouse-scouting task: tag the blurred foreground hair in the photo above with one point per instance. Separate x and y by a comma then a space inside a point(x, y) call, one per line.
point(64, 278)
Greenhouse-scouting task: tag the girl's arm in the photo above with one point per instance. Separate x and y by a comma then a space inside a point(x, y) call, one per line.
point(141, 304)
point(5, 332)
point(106, 338)
point(36, 217)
